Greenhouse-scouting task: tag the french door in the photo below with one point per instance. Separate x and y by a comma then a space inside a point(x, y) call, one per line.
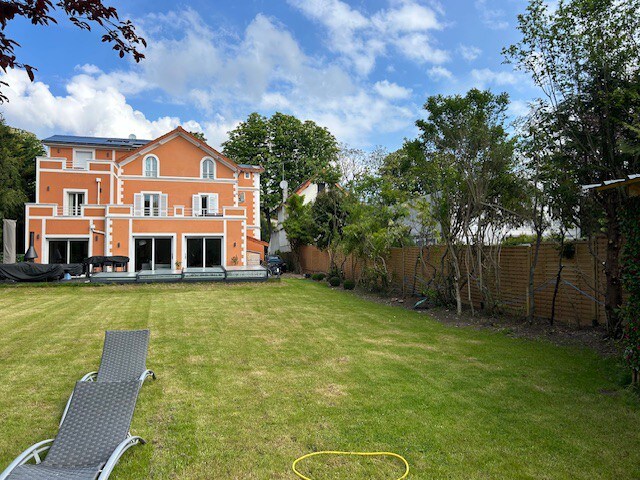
point(153, 253)
point(204, 252)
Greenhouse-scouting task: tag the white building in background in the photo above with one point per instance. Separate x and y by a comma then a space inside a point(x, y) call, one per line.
point(309, 191)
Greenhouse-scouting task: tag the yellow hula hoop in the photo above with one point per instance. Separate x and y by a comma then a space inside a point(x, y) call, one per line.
point(361, 454)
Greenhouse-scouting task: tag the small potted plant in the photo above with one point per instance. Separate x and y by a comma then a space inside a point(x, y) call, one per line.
point(179, 265)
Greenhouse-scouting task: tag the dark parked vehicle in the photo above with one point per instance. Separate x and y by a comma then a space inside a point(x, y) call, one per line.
point(276, 265)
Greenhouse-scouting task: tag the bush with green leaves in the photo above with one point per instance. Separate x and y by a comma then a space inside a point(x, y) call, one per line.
point(349, 285)
point(318, 277)
point(334, 281)
point(631, 281)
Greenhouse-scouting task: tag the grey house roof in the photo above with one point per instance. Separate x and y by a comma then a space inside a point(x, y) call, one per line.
point(95, 141)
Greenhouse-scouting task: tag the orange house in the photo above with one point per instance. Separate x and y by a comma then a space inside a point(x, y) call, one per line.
point(168, 203)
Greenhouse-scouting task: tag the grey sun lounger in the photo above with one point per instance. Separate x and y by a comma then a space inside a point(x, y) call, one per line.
point(124, 359)
point(91, 439)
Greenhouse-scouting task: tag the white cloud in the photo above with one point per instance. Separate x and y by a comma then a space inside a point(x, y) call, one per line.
point(490, 15)
point(86, 109)
point(360, 39)
point(221, 77)
point(469, 52)
point(486, 77)
point(391, 90)
point(440, 73)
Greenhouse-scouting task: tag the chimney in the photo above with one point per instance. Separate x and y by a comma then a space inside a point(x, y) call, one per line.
point(31, 254)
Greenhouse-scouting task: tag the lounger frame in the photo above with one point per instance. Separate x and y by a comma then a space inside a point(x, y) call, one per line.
point(34, 451)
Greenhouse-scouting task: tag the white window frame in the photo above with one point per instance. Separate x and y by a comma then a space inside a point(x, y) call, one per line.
point(213, 164)
point(66, 208)
point(68, 239)
point(144, 166)
point(247, 175)
point(76, 162)
point(241, 197)
point(223, 252)
point(153, 237)
point(199, 211)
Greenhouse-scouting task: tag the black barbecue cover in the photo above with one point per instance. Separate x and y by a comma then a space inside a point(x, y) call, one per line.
point(31, 272)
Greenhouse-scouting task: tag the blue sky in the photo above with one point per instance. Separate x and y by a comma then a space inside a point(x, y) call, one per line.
point(363, 69)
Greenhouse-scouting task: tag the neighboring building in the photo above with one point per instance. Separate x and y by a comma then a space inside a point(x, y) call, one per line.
point(162, 203)
point(309, 191)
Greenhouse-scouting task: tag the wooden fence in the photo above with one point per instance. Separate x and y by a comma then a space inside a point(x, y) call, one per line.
point(580, 298)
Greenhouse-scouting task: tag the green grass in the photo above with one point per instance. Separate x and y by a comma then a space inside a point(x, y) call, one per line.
point(251, 376)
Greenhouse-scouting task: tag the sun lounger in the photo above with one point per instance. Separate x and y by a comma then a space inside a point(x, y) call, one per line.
point(124, 359)
point(91, 439)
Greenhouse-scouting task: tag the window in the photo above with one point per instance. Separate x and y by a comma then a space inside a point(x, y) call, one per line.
point(322, 187)
point(153, 253)
point(241, 197)
point(150, 205)
point(205, 205)
point(68, 251)
point(204, 252)
point(82, 158)
point(208, 169)
point(151, 166)
point(75, 200)
point(247, 175)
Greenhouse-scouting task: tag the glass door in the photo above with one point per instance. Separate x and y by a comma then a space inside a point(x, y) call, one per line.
point(153, 253)
point(204, 252)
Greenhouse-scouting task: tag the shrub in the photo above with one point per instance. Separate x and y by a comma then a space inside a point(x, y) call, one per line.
point(334, 281)
point(318, 277)
point(349, 285)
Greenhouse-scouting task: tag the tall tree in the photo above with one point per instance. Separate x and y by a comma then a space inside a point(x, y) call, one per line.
point(329, 219)
point(298, 225)
point(287, 148)
point(585, 57)
point(82, 13)
point(469, 173)
point(18, 150)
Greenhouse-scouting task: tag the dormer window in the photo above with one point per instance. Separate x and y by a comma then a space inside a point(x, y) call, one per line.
point(151, 166)
point(208, 169)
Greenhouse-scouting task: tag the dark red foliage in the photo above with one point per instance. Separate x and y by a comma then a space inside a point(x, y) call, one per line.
point(82, 13)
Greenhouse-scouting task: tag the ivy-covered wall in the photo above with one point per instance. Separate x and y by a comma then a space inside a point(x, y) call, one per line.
point(631, 283)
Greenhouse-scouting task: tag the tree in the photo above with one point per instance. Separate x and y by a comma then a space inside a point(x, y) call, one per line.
point(585, 57)
point(82, 13)
point(329, 219)
point(354, 162)
point(18, 150)
point(298, 225)
point(199, 136)
point(467, 165)
point(287, 148)
point(374, 225)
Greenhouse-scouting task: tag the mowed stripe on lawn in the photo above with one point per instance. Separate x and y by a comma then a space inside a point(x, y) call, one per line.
point(252, 376)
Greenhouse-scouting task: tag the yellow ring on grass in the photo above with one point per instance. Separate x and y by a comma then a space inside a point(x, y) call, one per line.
point(361, 454)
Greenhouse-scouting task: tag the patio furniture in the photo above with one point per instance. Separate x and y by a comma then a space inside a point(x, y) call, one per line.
point(92, 437)
point(124, 359)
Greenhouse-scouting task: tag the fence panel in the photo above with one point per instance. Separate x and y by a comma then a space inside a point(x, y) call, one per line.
point(580, 298)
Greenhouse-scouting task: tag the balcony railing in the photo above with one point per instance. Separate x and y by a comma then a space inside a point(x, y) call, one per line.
point(69, 211)
point(128, 211)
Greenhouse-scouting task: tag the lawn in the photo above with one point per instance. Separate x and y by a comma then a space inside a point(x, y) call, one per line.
point(251, 376)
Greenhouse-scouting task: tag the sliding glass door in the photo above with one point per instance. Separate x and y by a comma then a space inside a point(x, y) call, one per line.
point(154, 253)
point(68, 251)
point(204, 252)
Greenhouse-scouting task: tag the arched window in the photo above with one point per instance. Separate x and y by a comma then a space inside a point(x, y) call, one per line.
point(208, 168)
point(151, 166)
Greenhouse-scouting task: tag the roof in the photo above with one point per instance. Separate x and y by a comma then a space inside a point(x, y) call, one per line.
point(129, 156)
point(250, 168)
point(607, 184)
point(95, 141)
